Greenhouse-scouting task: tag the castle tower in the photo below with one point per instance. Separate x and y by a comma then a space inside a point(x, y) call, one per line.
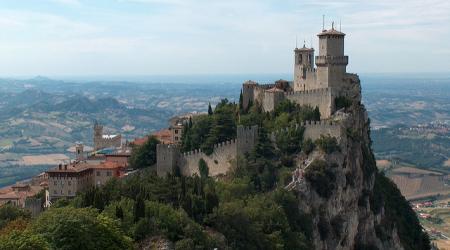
point(98, 136)
point(303, 66)
point(79, 152)
point(331, 61)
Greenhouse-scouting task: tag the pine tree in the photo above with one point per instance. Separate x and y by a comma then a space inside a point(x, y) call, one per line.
point(210, 111)
point(241, 102)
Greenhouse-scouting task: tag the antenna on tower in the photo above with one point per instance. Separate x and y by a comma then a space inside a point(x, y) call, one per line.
point(296, 42)
point(340, 25)
point(323, 22)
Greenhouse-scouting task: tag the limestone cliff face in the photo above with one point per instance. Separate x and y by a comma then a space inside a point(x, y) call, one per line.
point(345, 219)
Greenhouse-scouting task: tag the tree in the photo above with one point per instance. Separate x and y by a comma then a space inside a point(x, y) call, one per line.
point(203, 168)
point(145, 155)
point(79, 228)
point(23, 240)
point(10, 212)
point(210, 111)
point(119, 212)
point(139, 208)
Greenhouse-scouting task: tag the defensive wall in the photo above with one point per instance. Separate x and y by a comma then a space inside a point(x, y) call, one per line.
point(169, 157)
point(321, 98)
point(314, 129)
point(269, 98)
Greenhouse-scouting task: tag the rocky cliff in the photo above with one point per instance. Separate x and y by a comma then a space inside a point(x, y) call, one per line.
point(352, 205)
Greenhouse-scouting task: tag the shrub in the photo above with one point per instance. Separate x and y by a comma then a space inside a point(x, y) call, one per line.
point(308, 146)
point(327, 144)
point(321, 178)
point(342, 102)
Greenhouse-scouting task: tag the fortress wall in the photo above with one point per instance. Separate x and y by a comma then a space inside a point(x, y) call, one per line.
point(321, 98)
point(247, 138)
point(101, 142)
point(309, 82)
point(271, 99)
point(167, 158)
point(219, 162)
point(314, 129)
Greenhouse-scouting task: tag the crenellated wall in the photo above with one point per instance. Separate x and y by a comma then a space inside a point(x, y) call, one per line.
point(219, 162)
point(169, 157)
point(314, 129)
point(321, 98)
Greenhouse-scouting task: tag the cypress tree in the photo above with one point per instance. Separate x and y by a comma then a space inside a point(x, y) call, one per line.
point(210, 111)
point(139, 208)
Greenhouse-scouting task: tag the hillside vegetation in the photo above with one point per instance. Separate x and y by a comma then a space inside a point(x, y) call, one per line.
point(247, 209)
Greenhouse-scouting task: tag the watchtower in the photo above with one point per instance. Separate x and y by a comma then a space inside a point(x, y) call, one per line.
point(98, 135)
point(303, 63)
point(79, 151)
point(331, 61)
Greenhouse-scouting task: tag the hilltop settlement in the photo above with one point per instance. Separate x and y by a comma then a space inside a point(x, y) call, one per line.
point(289, 167)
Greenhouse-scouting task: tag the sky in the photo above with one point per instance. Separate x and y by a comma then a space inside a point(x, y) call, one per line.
point(177, 37)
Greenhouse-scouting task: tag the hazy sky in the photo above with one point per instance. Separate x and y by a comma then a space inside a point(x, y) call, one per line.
point(145, 37)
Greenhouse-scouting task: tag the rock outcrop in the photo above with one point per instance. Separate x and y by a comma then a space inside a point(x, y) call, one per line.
point(345, 215)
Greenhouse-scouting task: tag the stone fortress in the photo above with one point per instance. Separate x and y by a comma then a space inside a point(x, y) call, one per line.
point(314, 86)
point(102, 141)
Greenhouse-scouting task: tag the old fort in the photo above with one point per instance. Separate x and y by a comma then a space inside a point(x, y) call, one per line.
point(319, 81)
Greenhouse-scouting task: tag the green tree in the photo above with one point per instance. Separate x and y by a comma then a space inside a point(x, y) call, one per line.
point(23, 240)
point(145, 155)
point(10, 212)
point(79, 228)
point(203, 168)
point(139, 208)
point(210, 111)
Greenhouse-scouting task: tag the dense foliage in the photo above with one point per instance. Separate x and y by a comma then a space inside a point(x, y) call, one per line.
point(205, 131)
point(144, 155)
point(248, 209)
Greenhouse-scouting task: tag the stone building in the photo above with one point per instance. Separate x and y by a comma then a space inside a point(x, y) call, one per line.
point(66, 180)
point(314, 86)
point(102, 141)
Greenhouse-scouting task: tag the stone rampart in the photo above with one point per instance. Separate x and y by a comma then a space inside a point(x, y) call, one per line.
point(219, 162)
point(321, 98)
point(314, 129)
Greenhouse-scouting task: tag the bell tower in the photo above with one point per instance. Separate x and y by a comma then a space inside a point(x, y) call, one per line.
point(98, 135)
point(303, 66)
point(331, 61)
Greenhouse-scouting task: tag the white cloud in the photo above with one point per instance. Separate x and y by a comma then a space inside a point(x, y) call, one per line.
point(235, 36)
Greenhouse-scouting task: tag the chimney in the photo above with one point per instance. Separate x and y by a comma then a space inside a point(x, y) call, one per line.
point(60, 166)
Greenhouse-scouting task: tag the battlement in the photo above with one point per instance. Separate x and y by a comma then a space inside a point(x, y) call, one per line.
point(333, 60)
point(314, 129)
point(309, 92)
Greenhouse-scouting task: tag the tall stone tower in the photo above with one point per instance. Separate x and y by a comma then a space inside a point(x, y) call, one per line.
point(303, 68)
point(98, 136)
point(331, 61)
point(79, 151)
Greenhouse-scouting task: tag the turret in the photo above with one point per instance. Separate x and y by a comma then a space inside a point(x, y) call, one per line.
point(331, 61)
point(98, 135)
point(303, 66)
point(79, 151)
